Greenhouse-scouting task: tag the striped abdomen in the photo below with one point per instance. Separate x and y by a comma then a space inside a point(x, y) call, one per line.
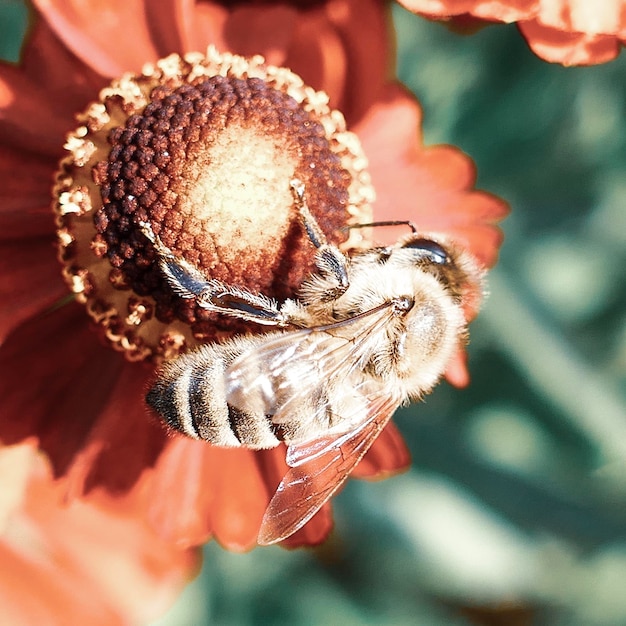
point(190, 396)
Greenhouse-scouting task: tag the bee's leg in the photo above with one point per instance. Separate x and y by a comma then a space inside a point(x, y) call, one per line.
point(188, 281)
point(331, 262)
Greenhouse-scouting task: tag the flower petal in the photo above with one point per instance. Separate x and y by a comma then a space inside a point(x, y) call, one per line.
point(241, 496)
point(58, 355)
point(583, 16)
point(168, 21)
point(82, 564)
point(25, 194)
point(88, 28)
point(571, 32)
point(266, 30)
point(48, 593)
point(31, 277)
point(68, 81)
point(123, 441)
point(330, 52)
point(38, 98)
point(431, 186)
point(22, 124)
point(197, 491)
point(31, 281)
point(178, 500)
point(389, 455)
point(496, 10)
point(319, 43)
point(198, 24)
point(569, 48)
point(457, 373)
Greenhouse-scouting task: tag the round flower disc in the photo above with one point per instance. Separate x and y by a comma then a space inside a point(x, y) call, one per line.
point(202, 148)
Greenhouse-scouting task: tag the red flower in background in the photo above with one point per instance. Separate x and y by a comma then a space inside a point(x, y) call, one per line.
point(570, 32)
point(81, 400)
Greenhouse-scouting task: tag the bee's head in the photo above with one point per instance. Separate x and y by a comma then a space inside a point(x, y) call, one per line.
point(450, 263)
point(426, 250)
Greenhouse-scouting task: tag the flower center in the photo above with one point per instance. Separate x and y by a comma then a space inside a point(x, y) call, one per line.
point(204, 149)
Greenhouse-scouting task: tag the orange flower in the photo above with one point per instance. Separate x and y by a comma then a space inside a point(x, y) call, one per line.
point(80, 399)
point(91, 562)
point(570, 32)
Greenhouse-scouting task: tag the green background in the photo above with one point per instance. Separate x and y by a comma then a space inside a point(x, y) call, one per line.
point(514, 511)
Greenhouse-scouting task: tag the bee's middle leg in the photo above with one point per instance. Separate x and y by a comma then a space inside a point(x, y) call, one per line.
point(330, 261)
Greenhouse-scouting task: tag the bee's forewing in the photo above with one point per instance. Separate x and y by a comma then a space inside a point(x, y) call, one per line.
point(284, 370)
point(318, 469)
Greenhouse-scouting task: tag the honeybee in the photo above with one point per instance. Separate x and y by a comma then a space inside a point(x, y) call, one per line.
point(368, 332)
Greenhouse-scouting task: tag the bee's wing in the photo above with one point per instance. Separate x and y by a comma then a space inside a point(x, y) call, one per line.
point(318, 469)
point(290, 369)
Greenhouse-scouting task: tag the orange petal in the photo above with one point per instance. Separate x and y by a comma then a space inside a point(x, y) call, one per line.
point(177, 499)
point(198, 23)
point(316, 52)
point(252, 30)
point(123, 440)
point(457, 373)
point(569, 48)
point(25, 195)
point(89, 28)
point(38, 99)
point(241, 496)
point(53, 589)
point(583, 16)
point(28, 119)
point(571, 32)
point(496, 10)
point(56, 380)
point(433, 187)
point(320, 43)
point(167, 22)
point(389, 455)
point(47, 61)
point(355, 67)
point(82, 564)
point(31, 281)
point(197, 490)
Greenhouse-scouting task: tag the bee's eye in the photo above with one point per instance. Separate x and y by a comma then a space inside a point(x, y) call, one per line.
point(429, 249)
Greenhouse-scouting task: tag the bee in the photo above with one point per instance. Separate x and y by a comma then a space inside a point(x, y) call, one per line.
point(368, 332)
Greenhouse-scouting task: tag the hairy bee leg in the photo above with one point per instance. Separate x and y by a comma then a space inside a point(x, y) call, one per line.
point(187, 281)
point(313, 231)
point(330, 261)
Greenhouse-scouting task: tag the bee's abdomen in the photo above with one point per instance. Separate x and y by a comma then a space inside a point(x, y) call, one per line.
point(189, 396)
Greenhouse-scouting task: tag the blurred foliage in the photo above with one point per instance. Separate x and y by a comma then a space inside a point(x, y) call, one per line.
point(514, 511)
point(13, 20)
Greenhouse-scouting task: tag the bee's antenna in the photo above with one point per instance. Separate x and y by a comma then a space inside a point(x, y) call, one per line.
point(408, 223)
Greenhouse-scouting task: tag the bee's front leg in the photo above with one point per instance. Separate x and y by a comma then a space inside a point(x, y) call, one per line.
point(330, 261)
point(188, 281)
